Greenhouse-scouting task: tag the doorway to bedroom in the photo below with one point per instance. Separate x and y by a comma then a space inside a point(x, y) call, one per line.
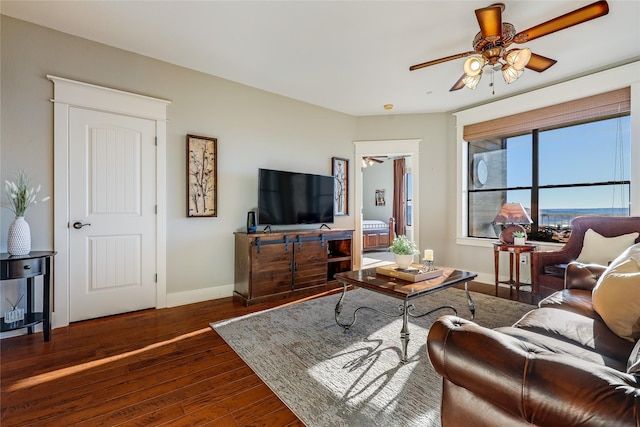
point(386, 182)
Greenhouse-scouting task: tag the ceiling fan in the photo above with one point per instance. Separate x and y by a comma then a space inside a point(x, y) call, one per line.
point(369, 160)
point(491, 43)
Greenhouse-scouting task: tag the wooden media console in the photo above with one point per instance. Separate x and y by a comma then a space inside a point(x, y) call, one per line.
point(276, 265)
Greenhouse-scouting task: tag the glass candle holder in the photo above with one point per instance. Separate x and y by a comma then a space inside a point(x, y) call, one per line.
point(427, 265)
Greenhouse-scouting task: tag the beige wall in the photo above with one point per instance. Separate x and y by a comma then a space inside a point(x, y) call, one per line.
point(378, 176)
point(254, 129)
point(437, 173)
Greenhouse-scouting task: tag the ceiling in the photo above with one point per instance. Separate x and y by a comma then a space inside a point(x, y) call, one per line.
point(348, 56)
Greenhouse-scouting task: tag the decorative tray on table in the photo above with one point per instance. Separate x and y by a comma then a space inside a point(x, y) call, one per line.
point(412, 274)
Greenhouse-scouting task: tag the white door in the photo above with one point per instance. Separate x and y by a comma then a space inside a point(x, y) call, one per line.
point(112, 221)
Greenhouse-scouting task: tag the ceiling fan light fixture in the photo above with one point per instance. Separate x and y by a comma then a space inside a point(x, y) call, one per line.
point(472, 81)
point(473, 65)
point(518, 58)
point(510, 74)
point(495, 36)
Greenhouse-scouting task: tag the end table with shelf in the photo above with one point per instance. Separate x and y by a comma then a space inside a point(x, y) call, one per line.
point(514, 258)
point(30, 266)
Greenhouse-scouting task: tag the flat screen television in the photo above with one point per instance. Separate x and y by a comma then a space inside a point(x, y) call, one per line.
point(288, 198)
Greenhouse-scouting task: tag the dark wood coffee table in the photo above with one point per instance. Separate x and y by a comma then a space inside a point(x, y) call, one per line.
point(403, 290)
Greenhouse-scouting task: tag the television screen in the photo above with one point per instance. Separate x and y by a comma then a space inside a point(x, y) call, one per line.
point(286, 198)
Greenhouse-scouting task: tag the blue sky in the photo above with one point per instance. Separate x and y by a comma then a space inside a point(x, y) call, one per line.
point(592, 152)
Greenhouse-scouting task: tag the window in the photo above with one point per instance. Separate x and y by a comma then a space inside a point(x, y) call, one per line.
point(557, 174)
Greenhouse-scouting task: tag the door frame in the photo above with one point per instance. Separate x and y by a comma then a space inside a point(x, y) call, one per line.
point(71, 93)
point(385, 148)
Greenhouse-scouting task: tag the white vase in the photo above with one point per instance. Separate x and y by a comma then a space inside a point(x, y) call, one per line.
point(19, 238)
point(520, 241)
point(403, 261)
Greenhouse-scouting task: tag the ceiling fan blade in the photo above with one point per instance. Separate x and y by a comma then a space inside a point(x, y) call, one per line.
point(584, 14)
point(539, 63)
point(490, 21)
point(440, 61)
point(459, 84)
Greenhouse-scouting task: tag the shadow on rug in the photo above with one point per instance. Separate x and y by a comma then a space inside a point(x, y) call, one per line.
point(329, 377)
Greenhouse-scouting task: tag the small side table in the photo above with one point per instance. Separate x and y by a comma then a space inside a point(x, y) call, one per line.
point(514, 257)
point(36, 263)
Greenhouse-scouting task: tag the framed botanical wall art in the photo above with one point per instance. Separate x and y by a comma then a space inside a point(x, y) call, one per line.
point(202, 176)
point(340, 171)
point(380, 198)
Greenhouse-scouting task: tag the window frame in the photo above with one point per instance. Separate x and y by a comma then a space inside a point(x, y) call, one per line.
point(614, 78)
point(535, 187)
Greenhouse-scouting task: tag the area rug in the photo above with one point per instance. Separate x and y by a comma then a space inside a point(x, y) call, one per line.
point(329, 377)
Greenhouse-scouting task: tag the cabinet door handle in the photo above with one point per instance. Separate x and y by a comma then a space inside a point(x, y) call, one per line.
point(27, 267)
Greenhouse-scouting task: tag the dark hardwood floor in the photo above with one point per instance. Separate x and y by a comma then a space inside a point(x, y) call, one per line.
point(149, 368)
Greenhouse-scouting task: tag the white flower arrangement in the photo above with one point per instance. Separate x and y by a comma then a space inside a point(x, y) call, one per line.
point(403, 246)
point(20, 195)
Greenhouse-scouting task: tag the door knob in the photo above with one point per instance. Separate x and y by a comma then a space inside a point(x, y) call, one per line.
point(78, 225)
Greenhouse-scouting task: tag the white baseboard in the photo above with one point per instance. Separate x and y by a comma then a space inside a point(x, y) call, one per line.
point(199, 295)
point(22, 331)
point(489, 279)
point(173, 300)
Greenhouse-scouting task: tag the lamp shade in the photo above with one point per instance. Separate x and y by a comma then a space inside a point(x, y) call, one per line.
point(471, 81)
point(512, 215)
point(518, 58)
point(473, 65)
point(510, 74)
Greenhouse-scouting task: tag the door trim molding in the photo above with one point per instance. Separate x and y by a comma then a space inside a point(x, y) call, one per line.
point(383, 148)
point(70, 93)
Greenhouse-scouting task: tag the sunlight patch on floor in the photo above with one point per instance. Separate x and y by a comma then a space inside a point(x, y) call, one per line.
point(369, 371)
point(60, 373)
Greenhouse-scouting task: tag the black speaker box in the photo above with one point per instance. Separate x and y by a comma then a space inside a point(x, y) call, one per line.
point(251, 222)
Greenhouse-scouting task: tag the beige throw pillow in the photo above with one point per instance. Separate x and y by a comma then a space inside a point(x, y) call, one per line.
point(616, 296)
point(597, 249)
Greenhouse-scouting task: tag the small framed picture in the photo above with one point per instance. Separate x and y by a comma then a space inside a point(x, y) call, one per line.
point(202, 176)
point(380, 198)
point(340, 171)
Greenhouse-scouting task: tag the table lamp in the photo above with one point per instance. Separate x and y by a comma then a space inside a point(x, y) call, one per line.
point(511, 217)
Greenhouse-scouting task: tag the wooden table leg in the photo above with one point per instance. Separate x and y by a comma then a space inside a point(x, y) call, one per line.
point(46, 300)
point(510, 270)
point(518, 271)
point(496, 265)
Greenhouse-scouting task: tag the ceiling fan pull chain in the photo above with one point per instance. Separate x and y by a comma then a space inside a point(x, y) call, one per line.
point(493, 87)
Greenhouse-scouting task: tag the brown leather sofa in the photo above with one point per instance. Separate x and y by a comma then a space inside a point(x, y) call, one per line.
point(548, 267)
point(559, 365)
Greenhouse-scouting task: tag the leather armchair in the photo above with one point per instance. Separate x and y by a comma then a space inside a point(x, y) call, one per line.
point(547, 267)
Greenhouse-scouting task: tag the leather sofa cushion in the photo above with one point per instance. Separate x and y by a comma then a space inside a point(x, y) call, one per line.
point(583, 331)
point(575, 300)
point(557, 345)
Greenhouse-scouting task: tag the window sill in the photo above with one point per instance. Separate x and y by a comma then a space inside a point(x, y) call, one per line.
point(488, 243)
